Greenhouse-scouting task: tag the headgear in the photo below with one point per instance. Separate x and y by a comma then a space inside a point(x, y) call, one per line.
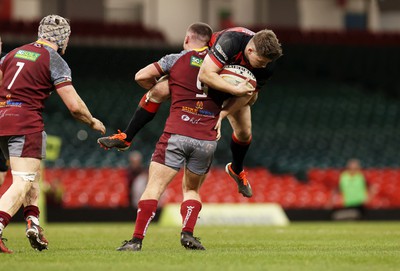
point(55, 29)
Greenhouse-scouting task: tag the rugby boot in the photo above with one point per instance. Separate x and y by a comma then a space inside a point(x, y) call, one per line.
point(35, 235)
point(191, 242)
point(241, 181)
point(114, 141)
point(3, 248)
point(134, 244)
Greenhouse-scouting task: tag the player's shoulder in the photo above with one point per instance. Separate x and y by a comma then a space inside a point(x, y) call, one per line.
point(237, 33)
point(232, 38)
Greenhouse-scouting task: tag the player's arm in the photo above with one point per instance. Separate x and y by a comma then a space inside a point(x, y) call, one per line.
point(78, 108)
point(148, 76)
point(209, 75)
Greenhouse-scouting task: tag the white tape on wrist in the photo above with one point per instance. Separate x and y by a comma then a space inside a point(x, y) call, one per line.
point(26, 176)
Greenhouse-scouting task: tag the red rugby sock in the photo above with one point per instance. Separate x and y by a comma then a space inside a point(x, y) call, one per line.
point(146, 212)
point(4, 218)
point(190, 210)
point(31, 210)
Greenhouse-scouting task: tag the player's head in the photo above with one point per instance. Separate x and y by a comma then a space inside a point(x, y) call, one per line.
point(198, 33)
point(353, 165)
point(263, 48)
point(55, 29)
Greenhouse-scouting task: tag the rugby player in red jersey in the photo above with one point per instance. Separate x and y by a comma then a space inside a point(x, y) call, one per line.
point(256, 51)
point(189, 138)
point(29, 74)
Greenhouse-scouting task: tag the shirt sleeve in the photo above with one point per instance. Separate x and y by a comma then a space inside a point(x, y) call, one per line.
point(224, 49)
point(166, 62)
point(60, 72)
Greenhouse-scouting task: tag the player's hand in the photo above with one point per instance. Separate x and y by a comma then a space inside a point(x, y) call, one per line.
point(243, 89)
point(98, 126)
point(218, 128)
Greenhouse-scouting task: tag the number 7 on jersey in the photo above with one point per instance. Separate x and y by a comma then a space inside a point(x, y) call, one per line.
point(20, 66)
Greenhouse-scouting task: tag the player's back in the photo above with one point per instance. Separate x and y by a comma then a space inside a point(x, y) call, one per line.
point(27, 82)
point(193, 113)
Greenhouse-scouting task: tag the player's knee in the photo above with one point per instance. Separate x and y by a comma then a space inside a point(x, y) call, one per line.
point(243, 135)
point(159, 93)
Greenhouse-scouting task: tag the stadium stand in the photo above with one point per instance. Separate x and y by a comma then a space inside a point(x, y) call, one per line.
point(90, 32)
point(107, 188)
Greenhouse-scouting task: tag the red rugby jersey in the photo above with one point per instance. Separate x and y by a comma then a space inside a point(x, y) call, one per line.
point(193, 113)
point(30, 73)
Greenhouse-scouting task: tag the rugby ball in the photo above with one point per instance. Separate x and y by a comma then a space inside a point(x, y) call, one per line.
point(236, 74)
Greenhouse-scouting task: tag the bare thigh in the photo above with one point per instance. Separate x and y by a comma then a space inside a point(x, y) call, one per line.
point(160, 92)
point(159, 178)
point(241, 123)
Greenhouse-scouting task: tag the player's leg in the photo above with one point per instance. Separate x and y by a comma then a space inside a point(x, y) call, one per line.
point(159, 177)
point(240, 143)
point(197, 166)
point(190, 209)
point(23, 172)
point(145, 112)
point(34, 231)
point(25, 154)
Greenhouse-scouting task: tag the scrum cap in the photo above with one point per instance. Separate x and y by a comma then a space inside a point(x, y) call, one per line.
point(54, 28)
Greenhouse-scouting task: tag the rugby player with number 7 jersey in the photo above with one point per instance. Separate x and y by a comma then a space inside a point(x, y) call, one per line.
point(28, 75)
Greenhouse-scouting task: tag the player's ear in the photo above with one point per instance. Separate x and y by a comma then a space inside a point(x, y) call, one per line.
point(187, 39)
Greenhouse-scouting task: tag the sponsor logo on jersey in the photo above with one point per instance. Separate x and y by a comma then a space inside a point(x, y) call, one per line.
point(31, 56)
point(196, 61)
point(199, 105)
point(198, 111)
point(185, 118)
point(218, 48)
point(10, 102)
point(192, 120)
point(13, 103)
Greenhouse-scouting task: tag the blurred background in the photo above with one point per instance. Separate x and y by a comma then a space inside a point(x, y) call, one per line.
point(335, 96)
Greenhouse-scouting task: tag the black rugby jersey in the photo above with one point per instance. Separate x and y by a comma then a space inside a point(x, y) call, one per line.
point(227, 48)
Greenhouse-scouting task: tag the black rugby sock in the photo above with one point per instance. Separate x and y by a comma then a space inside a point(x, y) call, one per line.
point(138, 121)
point(144, 113)
point(239, 151)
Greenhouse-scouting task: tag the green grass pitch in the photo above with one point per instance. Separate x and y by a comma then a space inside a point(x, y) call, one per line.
point(358, 246)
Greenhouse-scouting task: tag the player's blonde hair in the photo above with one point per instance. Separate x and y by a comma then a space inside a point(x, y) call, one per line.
point(54, 28)
point(200, 31)
point(267, 44)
